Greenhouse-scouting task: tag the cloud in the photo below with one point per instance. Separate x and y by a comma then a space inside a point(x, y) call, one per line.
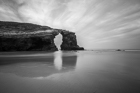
point(95, 20)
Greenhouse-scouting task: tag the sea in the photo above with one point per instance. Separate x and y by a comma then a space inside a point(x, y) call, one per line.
point(91, 71)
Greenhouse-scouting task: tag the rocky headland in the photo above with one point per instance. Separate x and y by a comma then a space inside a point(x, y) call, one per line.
point(16, 36)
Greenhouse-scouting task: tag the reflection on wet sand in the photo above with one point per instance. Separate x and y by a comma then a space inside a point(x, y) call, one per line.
point(37, 66)
point(58, 60)
point(64, 72)
point(64, 62)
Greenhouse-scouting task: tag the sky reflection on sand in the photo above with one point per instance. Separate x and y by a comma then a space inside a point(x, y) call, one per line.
point(37, 64)
point(72, 72)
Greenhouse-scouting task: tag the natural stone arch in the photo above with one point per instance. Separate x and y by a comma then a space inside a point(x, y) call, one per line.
point(16, 36)
point(69, 41)
point(66, 40)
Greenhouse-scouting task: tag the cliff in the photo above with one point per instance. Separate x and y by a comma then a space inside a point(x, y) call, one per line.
point(69, 41)
point(31, 37)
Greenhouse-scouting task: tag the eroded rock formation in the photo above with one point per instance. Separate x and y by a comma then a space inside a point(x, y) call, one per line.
point(30, 37)
point(69, 41)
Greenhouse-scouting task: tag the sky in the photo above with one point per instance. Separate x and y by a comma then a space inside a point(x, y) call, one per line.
point(98, 24)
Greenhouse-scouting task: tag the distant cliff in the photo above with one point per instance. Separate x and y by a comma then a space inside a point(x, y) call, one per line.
point(31, 37)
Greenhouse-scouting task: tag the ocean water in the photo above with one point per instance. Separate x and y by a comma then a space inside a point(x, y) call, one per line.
point(70, 72)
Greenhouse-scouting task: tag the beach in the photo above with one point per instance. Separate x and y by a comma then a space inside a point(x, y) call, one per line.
point(70, 72)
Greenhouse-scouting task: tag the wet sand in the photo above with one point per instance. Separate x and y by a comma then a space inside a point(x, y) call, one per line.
point(70, 72)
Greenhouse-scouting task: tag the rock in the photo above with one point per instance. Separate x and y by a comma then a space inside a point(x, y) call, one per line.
point(26, 37)
point(120, 50)
point(69, 41)
point(31, 37)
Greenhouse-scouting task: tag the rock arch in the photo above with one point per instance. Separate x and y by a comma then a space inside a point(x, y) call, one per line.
point(69, 41)
point(16, 36)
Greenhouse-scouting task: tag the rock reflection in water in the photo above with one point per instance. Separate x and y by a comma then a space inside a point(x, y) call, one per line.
point(37, 65)
point(58, 60)
point(71, 72)
point(64, 62)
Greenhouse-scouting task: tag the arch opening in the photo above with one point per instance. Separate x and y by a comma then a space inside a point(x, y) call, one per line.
point(58, 41)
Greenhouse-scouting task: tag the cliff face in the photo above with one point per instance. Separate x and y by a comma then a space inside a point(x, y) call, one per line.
point(69, 41)
point(30, 37)
point(26, 37)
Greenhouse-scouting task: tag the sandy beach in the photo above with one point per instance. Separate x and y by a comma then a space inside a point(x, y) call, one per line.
point(70, 72)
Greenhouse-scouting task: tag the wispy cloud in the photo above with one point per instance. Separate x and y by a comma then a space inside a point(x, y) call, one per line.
point(95, 20)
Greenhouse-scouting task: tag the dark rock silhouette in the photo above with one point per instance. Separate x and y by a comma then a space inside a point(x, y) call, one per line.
point(31, 37)
point(120, 50)
point(69, 41)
